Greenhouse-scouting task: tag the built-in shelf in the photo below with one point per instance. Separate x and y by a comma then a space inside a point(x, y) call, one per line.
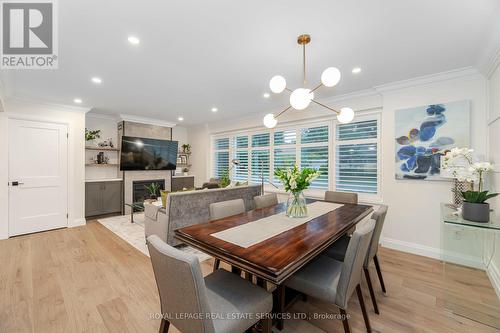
point(183, 153)
point(103, 180)
point(102, 148)
point(101, 165)
point(182, 165)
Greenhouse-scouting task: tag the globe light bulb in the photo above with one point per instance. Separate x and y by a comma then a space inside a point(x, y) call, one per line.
point(277, 84)
point(346, 115)
point(269, 120)
point(330, 77)
point(301, 98)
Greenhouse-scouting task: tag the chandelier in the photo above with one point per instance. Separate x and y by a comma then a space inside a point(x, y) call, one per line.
point(301, 98)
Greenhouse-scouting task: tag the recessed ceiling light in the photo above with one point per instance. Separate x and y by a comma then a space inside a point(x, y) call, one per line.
point(96, 80)
point(266, 95)
point(78, 100)
point(356, 70)
point(214, 109)
point(180, 119)
point(134, 40)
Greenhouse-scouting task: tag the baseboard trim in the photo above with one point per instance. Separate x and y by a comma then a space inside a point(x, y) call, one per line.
point(77, 223)
point(432, 252)
point(494, 275)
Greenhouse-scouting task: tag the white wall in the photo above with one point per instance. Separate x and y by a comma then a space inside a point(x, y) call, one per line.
point(75, 119)
point(4, 178)
point(413, 221)
point(179, 133)
point(494, 156)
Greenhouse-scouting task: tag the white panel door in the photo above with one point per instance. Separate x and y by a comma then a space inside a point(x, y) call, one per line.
point(38, 176)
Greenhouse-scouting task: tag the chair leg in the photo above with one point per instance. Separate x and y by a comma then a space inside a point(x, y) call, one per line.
point(363, 308)
point(370, 288)
point(279, 305)
point(379, 273)
point(267, 325)
point(216, 264)
point(164, 326)
point(345, 321)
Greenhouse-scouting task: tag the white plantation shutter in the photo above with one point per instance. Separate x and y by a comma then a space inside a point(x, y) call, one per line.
point(221, 157)
point(260, 163)
point(240, 172)
point(356, 157)
point(285, 138)
point(261, 140)
point(314, 153)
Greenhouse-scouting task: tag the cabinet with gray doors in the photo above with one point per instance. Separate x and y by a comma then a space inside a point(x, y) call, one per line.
point(103, 198)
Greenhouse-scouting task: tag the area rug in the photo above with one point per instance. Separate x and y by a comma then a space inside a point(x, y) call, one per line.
point(133, 233)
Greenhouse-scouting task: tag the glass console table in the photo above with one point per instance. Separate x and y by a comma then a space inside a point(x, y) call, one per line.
point(467, 252)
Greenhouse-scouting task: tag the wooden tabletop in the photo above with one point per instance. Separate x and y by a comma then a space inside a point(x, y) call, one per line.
point(276, 258)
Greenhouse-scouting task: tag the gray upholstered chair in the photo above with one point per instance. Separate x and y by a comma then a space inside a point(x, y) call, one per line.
point(266, 200)
point(215, 298)
point(220, 210)
point(341, 197)
point(334, 281)
point(338, 250)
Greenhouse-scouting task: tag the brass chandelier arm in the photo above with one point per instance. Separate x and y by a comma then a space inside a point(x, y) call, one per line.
point(279, 114)
point(317, 87)
point(325, 106)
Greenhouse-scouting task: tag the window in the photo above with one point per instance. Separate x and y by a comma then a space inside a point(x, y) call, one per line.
point(314, 153)
point(356, 157)
point(221, 157)
point(352, 168)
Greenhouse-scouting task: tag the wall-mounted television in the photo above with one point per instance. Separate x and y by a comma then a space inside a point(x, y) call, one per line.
point(147, 154)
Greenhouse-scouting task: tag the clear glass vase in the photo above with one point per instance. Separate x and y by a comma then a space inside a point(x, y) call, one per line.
point(296, 205)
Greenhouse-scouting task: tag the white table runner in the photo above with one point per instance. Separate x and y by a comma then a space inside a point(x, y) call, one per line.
point(255, 232)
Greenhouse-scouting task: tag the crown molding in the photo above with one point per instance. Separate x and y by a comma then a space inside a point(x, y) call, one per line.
point(145, 120)
point(427, 79)
point(104, 116)
point(492, 64)
point(17, 99)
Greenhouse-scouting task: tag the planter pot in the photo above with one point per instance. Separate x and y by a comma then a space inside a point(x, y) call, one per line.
point(477, 212)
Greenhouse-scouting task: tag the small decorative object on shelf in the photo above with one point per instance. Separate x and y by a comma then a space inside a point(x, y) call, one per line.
point(295, 182)
point(186, 148)
point(106, 143)
point(460, 186)
point(460, 162)
point(91, 135)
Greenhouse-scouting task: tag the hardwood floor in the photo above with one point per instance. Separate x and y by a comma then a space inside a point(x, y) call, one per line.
point(86, 279)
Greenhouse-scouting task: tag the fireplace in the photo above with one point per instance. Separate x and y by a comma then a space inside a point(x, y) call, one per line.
point(139, 191)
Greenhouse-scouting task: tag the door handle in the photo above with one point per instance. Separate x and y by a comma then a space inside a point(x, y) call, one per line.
point(16, 183)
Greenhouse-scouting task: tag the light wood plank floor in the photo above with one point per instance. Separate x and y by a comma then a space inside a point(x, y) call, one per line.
point(86, 279)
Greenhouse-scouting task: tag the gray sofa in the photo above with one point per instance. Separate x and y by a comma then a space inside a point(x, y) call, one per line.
point(188, 208)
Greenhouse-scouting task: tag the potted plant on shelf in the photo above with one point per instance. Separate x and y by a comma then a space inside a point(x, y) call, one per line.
point(154, 190)
point(475, 208)
point(295, 182)
point(186, 148)
point(91, 135)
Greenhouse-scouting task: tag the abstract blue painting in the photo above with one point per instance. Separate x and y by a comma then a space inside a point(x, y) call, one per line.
point(424, 134)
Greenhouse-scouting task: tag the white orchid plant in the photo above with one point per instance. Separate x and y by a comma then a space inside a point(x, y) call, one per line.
point(460, 162)
point(295, 180)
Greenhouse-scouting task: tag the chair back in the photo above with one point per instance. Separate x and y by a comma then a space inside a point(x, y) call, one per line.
point(181, 286)
point(266, 200)
point(379, 217)
point(355, 256)
point(220, 210)
point(341, 197)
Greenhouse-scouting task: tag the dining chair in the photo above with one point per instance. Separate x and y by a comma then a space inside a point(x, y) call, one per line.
point(341, 197)
point(204, 305)
point(266, 200)
point(334, 281)
point(220, 210)
point(338, 251)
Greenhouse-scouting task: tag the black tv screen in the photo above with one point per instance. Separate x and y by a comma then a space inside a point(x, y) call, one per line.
point(148, 154)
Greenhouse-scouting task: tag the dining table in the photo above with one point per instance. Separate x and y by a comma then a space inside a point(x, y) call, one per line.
point(276, 258)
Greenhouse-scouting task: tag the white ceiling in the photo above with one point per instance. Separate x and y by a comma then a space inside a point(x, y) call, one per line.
point(198, 54)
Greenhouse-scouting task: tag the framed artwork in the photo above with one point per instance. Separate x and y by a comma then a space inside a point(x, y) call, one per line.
point(183, 159)
point(424, 134)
